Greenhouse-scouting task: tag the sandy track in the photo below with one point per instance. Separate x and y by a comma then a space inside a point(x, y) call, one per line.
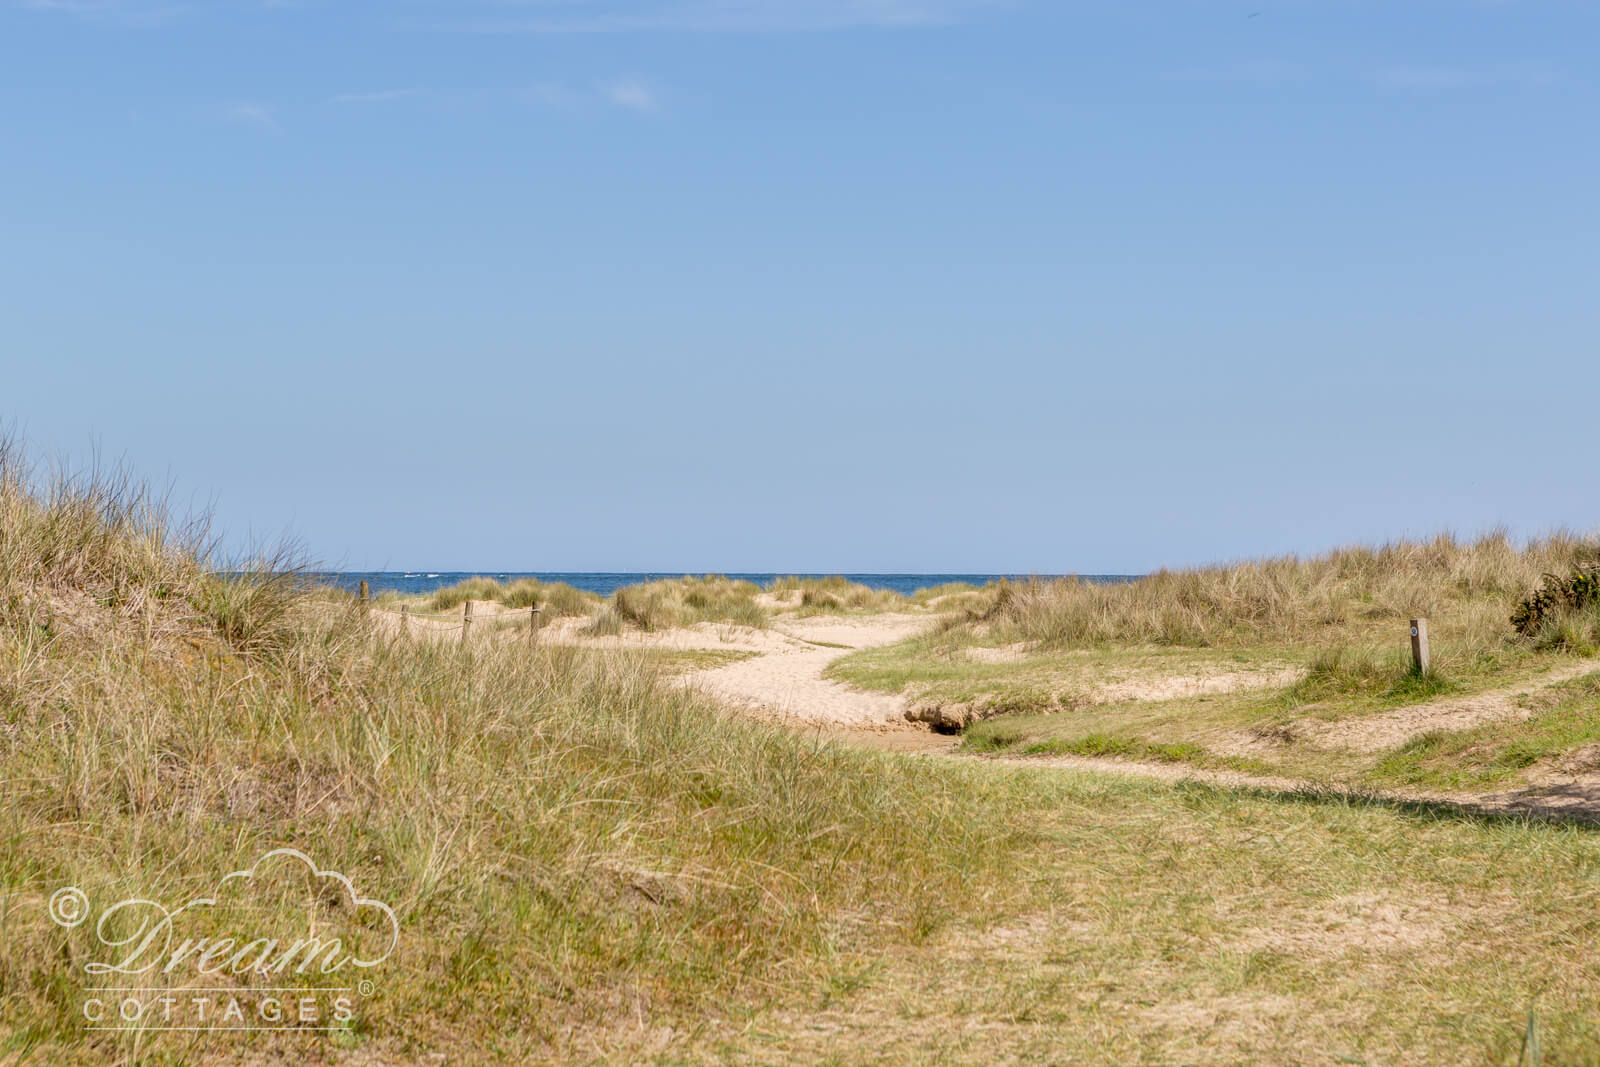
point(783, 681)
point(1571, 797)
point(786, 682)
point(1376, 733)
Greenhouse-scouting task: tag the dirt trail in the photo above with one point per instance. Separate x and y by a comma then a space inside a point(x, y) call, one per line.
point(783, 681)
point(786, 682)
point(1575, 797)
point(1376, 733)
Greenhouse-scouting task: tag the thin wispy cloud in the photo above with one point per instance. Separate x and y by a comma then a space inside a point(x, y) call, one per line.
point(631, 94)
point(253, 115)
point(1426, 78)
point(596, 16)
point(1252, 72)
point(614, 16)
point(71, 7)
point(382, 96)
point(1399, 77)
point(129, 12)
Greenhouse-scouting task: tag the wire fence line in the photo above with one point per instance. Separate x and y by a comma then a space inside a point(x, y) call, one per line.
point(463, 621)
point(508, 613)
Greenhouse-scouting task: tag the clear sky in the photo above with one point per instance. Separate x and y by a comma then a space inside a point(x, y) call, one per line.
point(869, 285)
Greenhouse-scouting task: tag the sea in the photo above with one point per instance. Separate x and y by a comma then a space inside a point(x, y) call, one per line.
point(421, 583)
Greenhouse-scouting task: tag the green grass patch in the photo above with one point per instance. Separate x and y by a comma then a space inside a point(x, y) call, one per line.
point(1568, 720)
point(673, 661)
point(941, 667)
point(1374, 678)
point(1109, 746)
point(589, 865)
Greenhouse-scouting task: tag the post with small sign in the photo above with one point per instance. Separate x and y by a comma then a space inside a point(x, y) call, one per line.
point(1419, 645)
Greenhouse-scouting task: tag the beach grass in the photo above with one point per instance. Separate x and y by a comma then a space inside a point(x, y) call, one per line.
point(1192, 924)
point(1242, 668)
point(590, 863)
point(553, 598)
point(568, 841)
point(1563, 728)
point(677, 602)
point(1339, 620)
point(1466, 587)
point(836, 595)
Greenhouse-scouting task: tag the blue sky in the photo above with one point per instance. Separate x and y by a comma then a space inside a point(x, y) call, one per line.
point(869, 285)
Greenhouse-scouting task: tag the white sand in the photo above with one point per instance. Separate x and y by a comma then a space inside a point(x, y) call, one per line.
point(786, 683)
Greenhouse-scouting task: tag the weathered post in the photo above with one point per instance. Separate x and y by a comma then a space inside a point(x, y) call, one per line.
point(533, 622)
point(466, 620)
point(366, 597)
point(1419, 645)
point(405, 617)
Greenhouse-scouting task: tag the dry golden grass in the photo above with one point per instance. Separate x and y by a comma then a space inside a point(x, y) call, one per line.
point(590, 865)
point(675, 602)
point(1468, 588)
point(553, 598)
point(568, 841)
point(840, 596)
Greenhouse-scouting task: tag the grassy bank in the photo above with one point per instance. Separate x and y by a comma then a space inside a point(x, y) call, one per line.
point(1248, 667)
point(588, 864)
point(1190, 924)
point(568, 843)
point(1467, 588)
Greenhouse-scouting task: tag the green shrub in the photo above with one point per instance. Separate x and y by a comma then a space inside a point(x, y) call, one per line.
point(1555, 597)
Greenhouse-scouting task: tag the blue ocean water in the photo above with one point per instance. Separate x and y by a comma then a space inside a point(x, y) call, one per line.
point(421, 583)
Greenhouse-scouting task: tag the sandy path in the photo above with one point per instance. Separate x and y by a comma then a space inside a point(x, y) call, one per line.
point(1376, 733)
point(1574, 797)
point(1552, 796)
point(786, 682)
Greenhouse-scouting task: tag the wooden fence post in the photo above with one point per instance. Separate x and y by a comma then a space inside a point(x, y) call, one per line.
point(1419, 645)
point(366, 597)
point(466, 619)
point(533, 622)
point(405, 617)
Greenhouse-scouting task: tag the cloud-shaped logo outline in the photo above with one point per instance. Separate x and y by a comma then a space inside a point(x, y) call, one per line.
point(357, 901)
